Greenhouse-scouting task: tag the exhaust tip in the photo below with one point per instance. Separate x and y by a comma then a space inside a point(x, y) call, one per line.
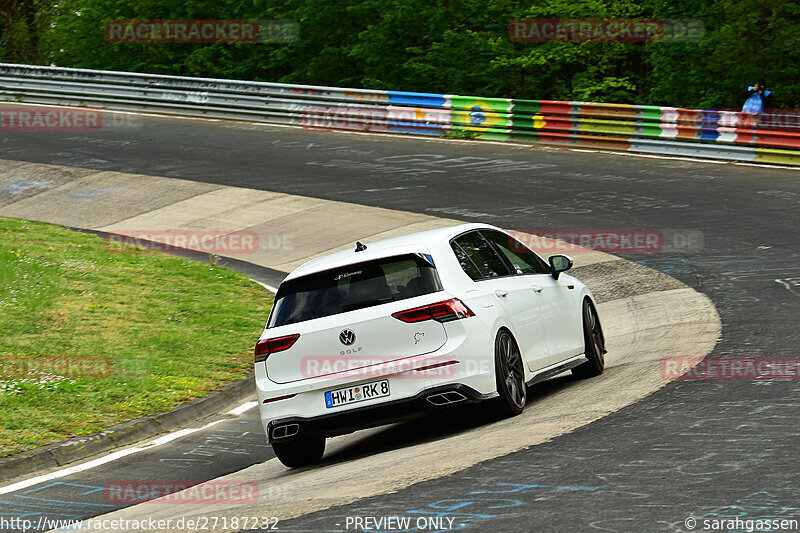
point(446, 398)
point(285, 431)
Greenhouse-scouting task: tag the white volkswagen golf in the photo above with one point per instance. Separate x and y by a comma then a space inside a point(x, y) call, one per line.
point(390, 330)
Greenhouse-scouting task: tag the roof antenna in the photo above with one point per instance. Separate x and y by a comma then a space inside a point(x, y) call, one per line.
point(360, 247)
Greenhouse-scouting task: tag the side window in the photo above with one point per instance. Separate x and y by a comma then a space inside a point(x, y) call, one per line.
point(520, 256)
point(485, 261)
point(466, 263)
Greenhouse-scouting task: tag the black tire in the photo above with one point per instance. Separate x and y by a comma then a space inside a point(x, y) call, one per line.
point(509, 375)
point(594, 342)
point(300, 452)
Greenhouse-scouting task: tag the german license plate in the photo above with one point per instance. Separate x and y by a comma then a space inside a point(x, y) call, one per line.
point(357, 393)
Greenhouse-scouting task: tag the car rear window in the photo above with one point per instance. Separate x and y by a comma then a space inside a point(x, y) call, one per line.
point(354, 287)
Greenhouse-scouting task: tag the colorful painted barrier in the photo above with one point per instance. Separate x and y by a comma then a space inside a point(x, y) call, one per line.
point(719, 134)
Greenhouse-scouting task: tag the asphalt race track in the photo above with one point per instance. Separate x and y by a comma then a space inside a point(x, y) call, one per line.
point(702, 449)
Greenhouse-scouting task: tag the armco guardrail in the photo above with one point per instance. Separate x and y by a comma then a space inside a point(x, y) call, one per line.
point(727, 135)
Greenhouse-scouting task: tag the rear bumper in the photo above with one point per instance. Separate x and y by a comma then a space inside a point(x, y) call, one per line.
point(465, 363)
point(333, 424)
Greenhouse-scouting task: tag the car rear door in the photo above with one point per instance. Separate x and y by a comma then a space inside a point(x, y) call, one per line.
point(556, 298)
point(496, 283)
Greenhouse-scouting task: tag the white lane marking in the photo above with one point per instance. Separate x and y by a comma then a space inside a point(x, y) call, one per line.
point(787, 287)
point(671, 157)
point(397, 188)
point(766, 166)
point(246, 406)
point(270, 288)
point(103, 460)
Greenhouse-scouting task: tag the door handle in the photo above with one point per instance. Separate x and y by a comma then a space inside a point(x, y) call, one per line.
point(501, 294)
point(537, 288)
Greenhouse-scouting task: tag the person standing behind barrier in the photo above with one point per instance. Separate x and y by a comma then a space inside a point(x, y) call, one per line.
point(756, 97)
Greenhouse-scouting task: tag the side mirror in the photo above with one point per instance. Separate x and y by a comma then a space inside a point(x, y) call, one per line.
point(559, 264)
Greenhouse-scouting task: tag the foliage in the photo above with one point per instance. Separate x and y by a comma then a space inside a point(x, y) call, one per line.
point(452, 46)
point(22, 23)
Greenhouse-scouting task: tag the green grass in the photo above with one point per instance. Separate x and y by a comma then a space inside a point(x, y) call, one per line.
point(92, 336)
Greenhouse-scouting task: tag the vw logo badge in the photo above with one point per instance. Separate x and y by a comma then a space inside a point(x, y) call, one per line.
point(347, 337)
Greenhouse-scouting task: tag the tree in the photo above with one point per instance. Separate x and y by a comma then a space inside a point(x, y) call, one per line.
point(22, 23)
point(450, 46)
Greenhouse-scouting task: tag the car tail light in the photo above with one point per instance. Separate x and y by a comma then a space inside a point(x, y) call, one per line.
point(264, 347)
point(446, 311)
